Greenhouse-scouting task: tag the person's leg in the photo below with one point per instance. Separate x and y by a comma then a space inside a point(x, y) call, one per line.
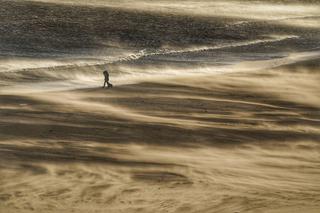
point(104, 84)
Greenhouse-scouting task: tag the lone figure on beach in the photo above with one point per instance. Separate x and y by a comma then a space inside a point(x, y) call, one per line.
point(106, 79)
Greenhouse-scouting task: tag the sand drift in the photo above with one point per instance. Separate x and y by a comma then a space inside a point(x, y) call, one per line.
point(215, 106)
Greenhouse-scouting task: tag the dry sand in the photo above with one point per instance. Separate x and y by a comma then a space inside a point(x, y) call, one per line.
point(245, 142)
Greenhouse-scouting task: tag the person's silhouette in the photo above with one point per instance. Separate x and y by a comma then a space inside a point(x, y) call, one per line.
point(106, 79)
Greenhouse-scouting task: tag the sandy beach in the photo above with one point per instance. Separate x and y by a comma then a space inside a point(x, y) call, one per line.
point(239, 142)
point(215, 106)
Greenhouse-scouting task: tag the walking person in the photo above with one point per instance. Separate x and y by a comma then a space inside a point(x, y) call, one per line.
point(106, 79)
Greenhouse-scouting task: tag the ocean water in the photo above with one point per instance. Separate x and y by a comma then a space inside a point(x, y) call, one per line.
point(53, 42)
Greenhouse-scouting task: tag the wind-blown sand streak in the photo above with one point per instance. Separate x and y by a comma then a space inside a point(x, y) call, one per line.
point(186, 145)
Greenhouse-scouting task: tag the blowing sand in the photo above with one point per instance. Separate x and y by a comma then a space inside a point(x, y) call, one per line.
point(217, 143)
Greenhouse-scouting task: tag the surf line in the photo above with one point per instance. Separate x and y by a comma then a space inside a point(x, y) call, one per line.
point(145, 53)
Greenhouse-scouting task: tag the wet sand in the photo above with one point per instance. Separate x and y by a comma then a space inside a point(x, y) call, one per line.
point(241, 142)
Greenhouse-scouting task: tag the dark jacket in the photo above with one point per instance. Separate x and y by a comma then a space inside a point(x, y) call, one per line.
point(106, 75)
